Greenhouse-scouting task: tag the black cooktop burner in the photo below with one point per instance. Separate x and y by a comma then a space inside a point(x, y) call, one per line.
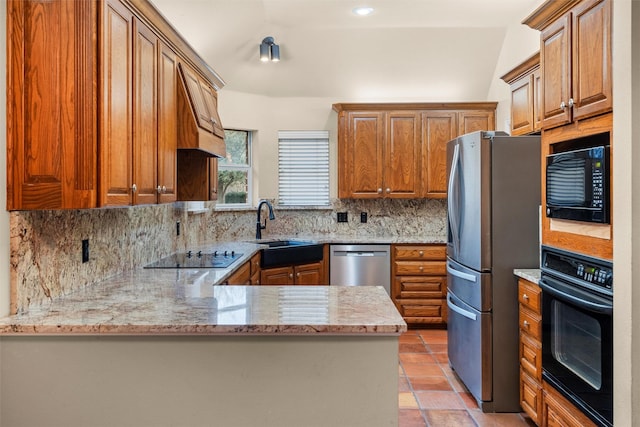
point(217, 259)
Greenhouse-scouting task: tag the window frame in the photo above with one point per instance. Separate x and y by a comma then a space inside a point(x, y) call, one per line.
point(248, 168)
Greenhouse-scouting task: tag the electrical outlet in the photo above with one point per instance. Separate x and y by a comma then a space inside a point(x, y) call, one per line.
point(363, 217)
point(85, 250)
point(177, 228)
point(342, 217)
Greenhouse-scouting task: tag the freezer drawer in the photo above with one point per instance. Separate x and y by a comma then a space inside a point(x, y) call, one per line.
point(472, 287)
point(470, 347)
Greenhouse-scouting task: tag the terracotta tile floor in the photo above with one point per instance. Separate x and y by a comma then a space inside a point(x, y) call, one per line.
point(429, 393)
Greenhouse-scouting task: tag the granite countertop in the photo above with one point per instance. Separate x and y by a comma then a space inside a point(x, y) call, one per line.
point(530, 274)
point(191, 302)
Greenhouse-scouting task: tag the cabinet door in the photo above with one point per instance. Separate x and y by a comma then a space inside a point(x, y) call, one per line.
point(51, 107)
point(309, 274)
point(531, 397)
point(196, 97)
point(438, 128)
point(537, 100)
point(242, 276)
point(471, 121)
point(522, 106)
point(402, 155)
point(555, 63)
point(116, 152)
point(145, 114)
point(167, 123)
point(210, 99)
point(591, 77)
point(362, 164)
point(277, 276)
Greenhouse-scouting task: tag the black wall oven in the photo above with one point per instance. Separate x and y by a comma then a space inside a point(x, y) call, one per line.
point(577, 330)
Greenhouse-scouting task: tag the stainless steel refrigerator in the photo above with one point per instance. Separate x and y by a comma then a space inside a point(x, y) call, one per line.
point(493, 203)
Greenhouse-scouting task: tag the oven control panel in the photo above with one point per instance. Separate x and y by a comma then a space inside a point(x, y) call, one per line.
point(594, 271)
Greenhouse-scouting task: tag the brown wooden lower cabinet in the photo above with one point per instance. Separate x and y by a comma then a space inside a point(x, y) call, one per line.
point(545, 406)
point(530, 396)
point(255, 269)
point(557, 411)
point(419, 283)
point(242, 276)
point(305, 274)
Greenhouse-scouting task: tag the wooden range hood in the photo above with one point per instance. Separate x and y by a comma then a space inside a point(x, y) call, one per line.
point(199, 125)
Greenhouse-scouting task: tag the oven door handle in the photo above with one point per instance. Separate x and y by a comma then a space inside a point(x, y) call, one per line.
point(586, 302)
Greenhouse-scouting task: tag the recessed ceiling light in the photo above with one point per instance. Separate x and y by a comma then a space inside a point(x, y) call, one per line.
point(363, 10)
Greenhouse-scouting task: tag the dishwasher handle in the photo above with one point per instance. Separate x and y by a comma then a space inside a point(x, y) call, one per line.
point(360, 253)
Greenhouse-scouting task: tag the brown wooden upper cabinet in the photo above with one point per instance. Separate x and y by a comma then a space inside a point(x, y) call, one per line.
point(93, 102)
point(51, 104)
point(399, 150)
point(575, 57)
point(525, 84)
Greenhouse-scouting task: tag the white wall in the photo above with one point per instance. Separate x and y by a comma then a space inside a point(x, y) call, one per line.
point(626, 200)
point(268, 115)
point(520, 43)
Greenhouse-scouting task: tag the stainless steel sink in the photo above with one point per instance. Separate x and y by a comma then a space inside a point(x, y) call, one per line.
point(290, 252)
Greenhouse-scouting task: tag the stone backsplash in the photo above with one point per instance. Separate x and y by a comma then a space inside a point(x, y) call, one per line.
point(46, 246)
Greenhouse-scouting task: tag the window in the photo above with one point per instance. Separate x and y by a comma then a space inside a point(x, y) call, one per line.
point(234, 171)
point(303, 168)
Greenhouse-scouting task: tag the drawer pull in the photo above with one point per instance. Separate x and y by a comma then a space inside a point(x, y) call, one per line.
point(525, 297)
point(421, 253)
point(525, 324)
point(421, 268)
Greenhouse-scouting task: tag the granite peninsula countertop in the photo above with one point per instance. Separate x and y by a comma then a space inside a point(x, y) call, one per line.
point(192, 302)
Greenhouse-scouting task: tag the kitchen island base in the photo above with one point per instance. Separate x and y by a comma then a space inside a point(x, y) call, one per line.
point(199, 381)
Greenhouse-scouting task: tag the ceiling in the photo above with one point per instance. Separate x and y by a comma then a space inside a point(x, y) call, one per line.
point(424, 49)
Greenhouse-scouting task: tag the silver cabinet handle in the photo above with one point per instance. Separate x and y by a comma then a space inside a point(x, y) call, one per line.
point(379, 190)
point(134, 188)
point(421, 253)
point(563, 105)
point(525, 324)
point(525, 297)
point(159, 190)
point(571, 102)
point(421, 268)
point(297, 274)
point(164, 188)
point(388, 190)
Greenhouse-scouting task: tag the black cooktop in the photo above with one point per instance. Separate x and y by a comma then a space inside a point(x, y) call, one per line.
point(217, 259)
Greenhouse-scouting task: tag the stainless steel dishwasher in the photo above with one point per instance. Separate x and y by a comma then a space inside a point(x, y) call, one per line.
point(360, 265)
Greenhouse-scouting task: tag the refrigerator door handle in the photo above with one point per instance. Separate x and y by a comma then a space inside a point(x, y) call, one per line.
point(460, 311)
point(464, 276)
point(453, 216)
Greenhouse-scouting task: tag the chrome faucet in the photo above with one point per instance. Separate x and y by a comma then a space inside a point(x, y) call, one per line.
point(259, 226)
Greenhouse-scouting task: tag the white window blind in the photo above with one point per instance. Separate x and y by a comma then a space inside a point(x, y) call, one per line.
point(303, 168)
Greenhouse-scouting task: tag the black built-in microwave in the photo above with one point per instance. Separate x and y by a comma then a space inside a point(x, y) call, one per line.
point(578, 185)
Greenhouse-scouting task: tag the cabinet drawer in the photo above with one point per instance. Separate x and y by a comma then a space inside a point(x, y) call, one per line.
point(427, 268)
point(529, 295)
point(530, 323)
point(531, 356)
point(530, 396)
point(423, 310)
point(420, 287)
point(420, 252)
